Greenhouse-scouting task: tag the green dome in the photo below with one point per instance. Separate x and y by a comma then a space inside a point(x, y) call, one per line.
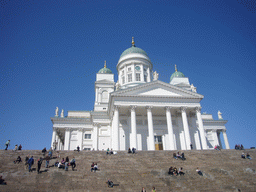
point(177, 74)
point(133, 49)
point(105, 70)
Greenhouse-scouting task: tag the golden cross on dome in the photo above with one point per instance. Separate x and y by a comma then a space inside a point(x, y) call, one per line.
point(133, 43)
point(105, 65)
point(176, 68)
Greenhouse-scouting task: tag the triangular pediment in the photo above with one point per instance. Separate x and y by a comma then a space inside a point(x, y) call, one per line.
point(157, 89)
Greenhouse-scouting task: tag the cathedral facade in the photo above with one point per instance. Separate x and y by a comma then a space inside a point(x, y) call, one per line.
point(139, 111)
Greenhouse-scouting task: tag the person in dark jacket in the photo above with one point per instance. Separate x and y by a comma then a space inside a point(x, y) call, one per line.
point(30, 163)
point(39, 163)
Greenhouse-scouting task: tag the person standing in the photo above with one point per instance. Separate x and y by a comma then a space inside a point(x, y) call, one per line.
point(20, 147)
point(47, 160)
point(39, 163)
point(30, 163)
point(7, 144)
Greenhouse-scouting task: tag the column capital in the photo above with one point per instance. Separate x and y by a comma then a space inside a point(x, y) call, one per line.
point(183, 109)
point(214, 130)
point(149, 108)
point(133, 107)
point(116, 107)
point(198, 109)
point(167, 108)
point(54, 129)
point(96, 124)
point(80, 129)
point(223, 130)
point(67, 129)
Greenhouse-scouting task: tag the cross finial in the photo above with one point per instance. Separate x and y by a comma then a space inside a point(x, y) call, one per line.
point(176, 68)
point(133, 44)
point(105, 65)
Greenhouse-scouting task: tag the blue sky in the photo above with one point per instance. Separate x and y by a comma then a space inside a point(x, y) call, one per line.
point(50, 52)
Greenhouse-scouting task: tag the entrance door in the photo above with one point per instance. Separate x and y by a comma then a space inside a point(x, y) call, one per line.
point(158, 142)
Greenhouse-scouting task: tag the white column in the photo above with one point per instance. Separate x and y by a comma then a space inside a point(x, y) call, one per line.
point(67, 139)
point(201, 128)
point(185, 126)
point(95, 136)
point(169, 127)
point(225, 139)
point(214, 133)
point(218, 135)
point(115, 129)
point(197, 140)
point(133, 139)
point(80, 138)
point(58, 143)
point(150, 129)
point(53, 137)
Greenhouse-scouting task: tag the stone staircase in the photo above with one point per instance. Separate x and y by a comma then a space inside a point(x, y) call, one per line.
point(222, 171)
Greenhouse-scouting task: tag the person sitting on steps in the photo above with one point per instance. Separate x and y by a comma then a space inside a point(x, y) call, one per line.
point(73, 163)
point(181, 171)
point(2, 182)
point(243, 156)
point(183, 156)
point(199, 171)
point(129, 150)
point(170, 171)
point(92, 166)
point(18, 160)
point(110, 183)
point(174, 156)
point(95, 167)
point(248, 156)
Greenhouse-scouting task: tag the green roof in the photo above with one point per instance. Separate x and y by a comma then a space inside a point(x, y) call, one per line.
point(133, 49)
point(177, 74)
point(105, 70)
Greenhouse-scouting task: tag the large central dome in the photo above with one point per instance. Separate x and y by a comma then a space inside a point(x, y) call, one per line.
point(133, 49)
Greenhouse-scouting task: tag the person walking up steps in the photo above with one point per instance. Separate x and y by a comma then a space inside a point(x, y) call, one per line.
point(7, 144)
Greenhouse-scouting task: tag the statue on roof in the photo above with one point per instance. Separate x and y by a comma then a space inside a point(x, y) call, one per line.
point(220, 115)
point(62, 113)
point(155, 76)
point(193, 88)
point(117, 86)
point(57, 112)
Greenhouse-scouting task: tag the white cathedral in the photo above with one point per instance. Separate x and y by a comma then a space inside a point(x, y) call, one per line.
point(139, 111)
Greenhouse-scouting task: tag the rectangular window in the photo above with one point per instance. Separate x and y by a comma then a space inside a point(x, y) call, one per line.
point(129, 77)
point(145, 78)
point(87, 136)
point(123, 79)
point(137, 76)
point(129, 68)
point(87, 149)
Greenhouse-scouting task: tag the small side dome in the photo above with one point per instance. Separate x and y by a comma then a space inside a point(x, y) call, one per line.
point(105, 70)
point(177, 74)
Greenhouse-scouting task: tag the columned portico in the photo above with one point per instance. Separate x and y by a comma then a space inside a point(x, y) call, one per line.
point(115, 129)
point(151, 144)
point(185, 126)
point(169, 127)
point(67, 139)
point(201, 128)
point(225, 139)
point(133, 139)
